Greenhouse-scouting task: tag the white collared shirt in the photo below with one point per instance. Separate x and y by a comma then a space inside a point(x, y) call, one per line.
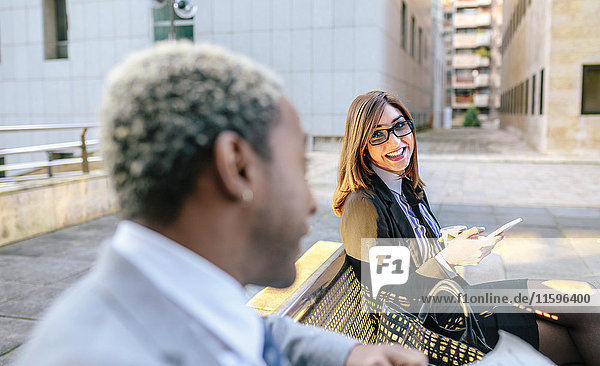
point(394, 183)
point(214, 298)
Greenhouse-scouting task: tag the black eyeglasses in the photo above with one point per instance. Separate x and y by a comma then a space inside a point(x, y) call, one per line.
point(399, 129)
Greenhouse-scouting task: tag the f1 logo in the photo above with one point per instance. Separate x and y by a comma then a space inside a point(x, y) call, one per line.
point(389, 265)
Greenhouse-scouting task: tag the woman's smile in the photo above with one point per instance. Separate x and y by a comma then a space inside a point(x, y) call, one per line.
point(397, 155)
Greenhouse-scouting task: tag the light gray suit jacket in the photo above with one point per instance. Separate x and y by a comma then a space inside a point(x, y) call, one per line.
point(116, 316)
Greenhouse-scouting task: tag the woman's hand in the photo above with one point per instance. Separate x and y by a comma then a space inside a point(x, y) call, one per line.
point(467, 249)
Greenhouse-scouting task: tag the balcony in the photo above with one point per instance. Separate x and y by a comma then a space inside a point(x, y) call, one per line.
point(465, 20)
point(467, 3)
point(461, 82)
point(472, 3)
point(462, 101)
point(481, 100)
point(482, 80)
point(472, 40)
point(483, 39)
point(484, 19)
point(469, 61)
point(465, 40)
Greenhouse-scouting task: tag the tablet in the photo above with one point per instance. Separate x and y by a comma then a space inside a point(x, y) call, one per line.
point(504, 228)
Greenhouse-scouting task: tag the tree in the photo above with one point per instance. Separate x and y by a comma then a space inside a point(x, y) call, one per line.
point(472, 118)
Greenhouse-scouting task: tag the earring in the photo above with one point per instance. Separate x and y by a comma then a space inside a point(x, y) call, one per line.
point(247, 196)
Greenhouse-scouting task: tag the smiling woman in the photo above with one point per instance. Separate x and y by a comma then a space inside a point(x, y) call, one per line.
point(380, 197)
point(377, 125)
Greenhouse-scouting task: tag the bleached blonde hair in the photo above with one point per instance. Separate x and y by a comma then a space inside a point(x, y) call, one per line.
point(163, 109)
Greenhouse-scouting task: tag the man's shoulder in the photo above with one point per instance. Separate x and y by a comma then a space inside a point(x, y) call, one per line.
point(82, 323)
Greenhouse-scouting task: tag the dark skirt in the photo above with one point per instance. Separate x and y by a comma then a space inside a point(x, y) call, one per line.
point(521, 324)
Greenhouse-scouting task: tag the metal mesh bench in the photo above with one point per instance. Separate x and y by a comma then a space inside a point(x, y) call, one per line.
point(327, 294)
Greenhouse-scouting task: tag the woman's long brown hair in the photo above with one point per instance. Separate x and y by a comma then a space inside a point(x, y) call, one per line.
point(353, 170)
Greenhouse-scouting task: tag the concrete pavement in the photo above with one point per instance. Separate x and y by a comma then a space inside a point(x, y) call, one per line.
point(475, 177)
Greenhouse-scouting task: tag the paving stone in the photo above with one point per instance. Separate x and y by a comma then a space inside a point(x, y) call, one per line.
point(567, 223)
point(525, 231)
point(13, 290)
point(13, 333)
point(581, 233)
point(467, 219)
point(480, 209)
point(574, 212)
point(9, 358)
point(30, 305)
point(543, 219)
point(39, 271)
point(557, 268)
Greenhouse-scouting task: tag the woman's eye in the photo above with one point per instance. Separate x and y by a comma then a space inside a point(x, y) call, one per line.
point(400, 126)
point(377, 134)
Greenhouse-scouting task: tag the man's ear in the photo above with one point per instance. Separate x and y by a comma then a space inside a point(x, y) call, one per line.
point(235, 163)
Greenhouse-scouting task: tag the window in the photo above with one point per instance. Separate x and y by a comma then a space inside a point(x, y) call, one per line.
point(533, 94)
point(403, 25)
point(420, 44)
point(412, 37)
point(184, 28)
point(519, 99)
point(526, 96)
point(590, 95)
point(512, 100)
point(56, 27)
point(542, 92)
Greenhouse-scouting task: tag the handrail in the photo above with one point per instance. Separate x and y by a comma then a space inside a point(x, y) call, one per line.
point(83, 144)
point(58, 126)
point(38, 148)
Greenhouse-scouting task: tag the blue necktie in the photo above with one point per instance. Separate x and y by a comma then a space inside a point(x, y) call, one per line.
point(271, 352)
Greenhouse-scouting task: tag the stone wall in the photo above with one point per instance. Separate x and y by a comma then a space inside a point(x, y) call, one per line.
point(575, 41)
point(33, 208)
point(558, 37)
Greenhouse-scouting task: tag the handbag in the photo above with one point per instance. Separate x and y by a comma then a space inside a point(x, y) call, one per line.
point(444, 346)
point(461, 326)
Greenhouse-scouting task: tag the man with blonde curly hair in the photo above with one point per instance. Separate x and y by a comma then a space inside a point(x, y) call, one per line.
point(206, 156)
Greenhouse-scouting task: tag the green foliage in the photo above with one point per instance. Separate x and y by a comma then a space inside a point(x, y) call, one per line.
point(483, 52)
point(472, 118)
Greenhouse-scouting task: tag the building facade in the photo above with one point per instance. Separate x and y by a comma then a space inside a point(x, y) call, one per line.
point(55, 54)
point(551, 73)
point(470, 33)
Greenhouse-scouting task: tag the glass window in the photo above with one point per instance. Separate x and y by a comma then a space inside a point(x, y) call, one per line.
point(412, 37)
point(542, 92)
point(526, 96)
point(55, 29)
point(590, 96)
point(403, 25)
point(533, 95)
point(184, 28)
point(420, 43)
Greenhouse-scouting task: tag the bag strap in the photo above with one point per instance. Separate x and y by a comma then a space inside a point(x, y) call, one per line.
point(472, 334)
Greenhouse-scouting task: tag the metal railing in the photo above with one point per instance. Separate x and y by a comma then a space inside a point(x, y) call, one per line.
point(50, 149)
